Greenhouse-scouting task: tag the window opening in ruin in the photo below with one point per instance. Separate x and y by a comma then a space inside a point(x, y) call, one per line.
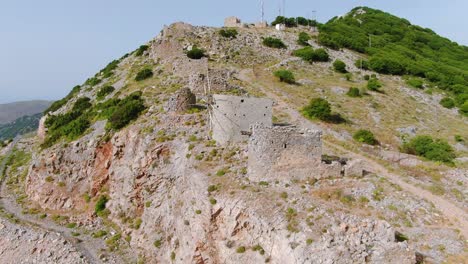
point(285, 145)
point(242, 100)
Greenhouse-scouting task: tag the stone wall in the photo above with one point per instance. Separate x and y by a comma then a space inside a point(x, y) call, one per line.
point(233, 115)
point(283, 152)
point(181, 101)
point(232, 22)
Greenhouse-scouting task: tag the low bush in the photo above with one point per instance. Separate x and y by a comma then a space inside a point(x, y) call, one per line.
point(339, 66)
point(228, 33)
point(126, 111)
point(81, 105)
point(108, 71)
point(416, 83)
point(101, 204)
point(141, 50)
point(195, 53)
point(311, 55)
point(318, 108)
point(426, 146)
point(303, 39)
point(374, 85)
point(143, 75)
point(447, 103)
point(285, 76)
point(365, 136)
point(104, 91)
point(93, 81)
point(464, 108)
point(274, 43)
point(353, 92)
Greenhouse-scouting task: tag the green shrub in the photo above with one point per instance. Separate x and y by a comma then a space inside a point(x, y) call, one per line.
point(318, 108)
point(447, 103)
point(99, 234)
point(240, 250)
point(228, 33)
point(365, 136)
point(108, 71)
point(459, 138)
point(303, 39)
point(126, 111)
point(320, 55)
point(373, 84)
point(195, 53)
point(141, 50)
point(93, 81)
point(157, 243)
point(104, 91)
point(425, 146)
point(311, 55)
point(81, 105)
point(353, 92)
point(143, 75)
point(274, 43)
point(339, 66)
point(416, 83)
point(101, 204)
point(285, 76)
point(464, 108)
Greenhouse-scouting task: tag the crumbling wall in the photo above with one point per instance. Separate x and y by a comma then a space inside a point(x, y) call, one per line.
point(219, 81)
point(232, 116)
point(181, 101)
point(283, 152)
point(232, 22)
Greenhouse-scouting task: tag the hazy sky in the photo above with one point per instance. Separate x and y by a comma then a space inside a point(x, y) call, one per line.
point(49, 46)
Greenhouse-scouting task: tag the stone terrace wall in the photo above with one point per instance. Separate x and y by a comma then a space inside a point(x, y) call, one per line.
point(284, 152)
point(232, 115)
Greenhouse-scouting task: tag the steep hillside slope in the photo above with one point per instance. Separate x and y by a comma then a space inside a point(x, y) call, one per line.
point(12, 111)
point(116, 163)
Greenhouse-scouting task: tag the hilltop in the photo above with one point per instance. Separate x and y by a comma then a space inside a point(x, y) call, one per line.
point(129, 163)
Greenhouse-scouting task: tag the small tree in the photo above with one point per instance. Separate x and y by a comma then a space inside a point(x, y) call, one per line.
point(104, 91)
point(425, 146)
point(274, 43)
point(447, 103)
point(365, 136)
point(373, 84)
point(339, 66)
point(195, 53)
point(318, 108)
point(303, 39)
point(285, 76)
point(320, 55)
point(141, 50)
point(143, 75)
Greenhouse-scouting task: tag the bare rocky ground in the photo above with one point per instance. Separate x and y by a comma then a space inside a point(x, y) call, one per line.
point(177, 196)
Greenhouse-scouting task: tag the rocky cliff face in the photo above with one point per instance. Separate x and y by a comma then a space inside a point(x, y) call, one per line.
point(175, 195)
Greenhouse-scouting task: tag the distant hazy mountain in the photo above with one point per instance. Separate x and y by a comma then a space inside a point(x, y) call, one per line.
point(20, 126)
point(12, 111)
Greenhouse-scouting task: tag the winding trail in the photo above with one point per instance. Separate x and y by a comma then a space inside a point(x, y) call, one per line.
point(457, 216)
point(89, 248)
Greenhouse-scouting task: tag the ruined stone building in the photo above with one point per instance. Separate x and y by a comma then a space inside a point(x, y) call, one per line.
point(232, 116)
point(232, 22)
point(181, 101)
point(283, 152)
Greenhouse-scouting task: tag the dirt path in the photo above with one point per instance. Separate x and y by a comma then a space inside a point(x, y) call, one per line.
point(90, 248)
point(457, 216)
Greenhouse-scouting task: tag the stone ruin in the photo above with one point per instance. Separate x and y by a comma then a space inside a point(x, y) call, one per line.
point(181, 101)
point(233, 22)
point(287, 152)
point(274, 152)
point(232, 116)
